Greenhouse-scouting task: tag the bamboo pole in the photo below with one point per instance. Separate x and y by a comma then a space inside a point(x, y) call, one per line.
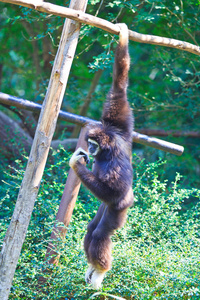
point(82, 17)
point(82, 121)
point(46, 126)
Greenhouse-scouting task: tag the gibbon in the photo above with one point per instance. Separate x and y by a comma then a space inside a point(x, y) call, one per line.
point(110, 143)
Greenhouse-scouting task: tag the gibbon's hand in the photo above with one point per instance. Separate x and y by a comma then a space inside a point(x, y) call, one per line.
point(123, 35)
point(79, 153)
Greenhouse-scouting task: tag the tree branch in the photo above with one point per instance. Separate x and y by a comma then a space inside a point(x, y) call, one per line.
point(11, 131)
point(69, 117)
point(103, 24)
point(175, 133)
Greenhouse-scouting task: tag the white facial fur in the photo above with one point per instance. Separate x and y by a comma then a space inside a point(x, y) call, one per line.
point(94, 143)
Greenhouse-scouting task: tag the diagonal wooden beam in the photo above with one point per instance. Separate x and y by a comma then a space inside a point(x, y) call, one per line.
point(82, 17)
point(66, 206)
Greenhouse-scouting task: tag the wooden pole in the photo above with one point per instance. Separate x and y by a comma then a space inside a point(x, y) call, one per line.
point(82, 121)
point(157, 143)
point(46, 126)
point(67, 204)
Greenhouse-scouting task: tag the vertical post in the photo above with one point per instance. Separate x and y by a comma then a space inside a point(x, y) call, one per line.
point(67, 204)
point(16, 232)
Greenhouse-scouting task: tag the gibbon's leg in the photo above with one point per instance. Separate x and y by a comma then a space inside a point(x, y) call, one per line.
point(100, 245)
point(91, 227)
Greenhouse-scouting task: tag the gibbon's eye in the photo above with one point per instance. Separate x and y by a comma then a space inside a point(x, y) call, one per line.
point(93, 147)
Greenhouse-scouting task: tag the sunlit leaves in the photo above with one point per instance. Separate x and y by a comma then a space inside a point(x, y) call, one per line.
point(102, 61)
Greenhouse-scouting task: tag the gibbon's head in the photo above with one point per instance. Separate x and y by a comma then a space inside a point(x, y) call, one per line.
point(98, 139)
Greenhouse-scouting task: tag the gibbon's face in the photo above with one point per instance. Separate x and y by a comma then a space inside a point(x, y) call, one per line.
point(93, 147)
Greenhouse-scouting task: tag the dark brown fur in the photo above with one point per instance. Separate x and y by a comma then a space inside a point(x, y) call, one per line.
point(111, 178)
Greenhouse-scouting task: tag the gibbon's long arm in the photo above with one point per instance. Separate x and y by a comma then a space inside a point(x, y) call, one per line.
point(122, 63)
point(94, 184)
point(100, 189)
point(116, 109)
point(118, 197)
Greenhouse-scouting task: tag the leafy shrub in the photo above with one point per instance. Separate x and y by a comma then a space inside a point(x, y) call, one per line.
point(156, 254)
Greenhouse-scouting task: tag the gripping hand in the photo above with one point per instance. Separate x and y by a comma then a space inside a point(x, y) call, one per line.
point(123, 34)
point(79, 153)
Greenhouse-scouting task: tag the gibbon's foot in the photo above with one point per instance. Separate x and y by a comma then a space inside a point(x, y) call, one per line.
point(79, 153)
point(97, 278)
point(88, 274)
point(123, 35)
point(94, 277)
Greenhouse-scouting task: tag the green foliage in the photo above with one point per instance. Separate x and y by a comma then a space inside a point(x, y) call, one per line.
point(104, 60)
point(156, 254)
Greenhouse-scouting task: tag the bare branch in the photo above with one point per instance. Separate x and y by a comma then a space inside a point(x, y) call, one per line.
point(69, 117)
point(21, 140)
point(82, 17)
point(175, 133)
point(157, 143)
point(11, 131)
